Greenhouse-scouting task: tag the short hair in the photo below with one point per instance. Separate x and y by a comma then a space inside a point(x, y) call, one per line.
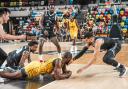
point(4, 10)
point(72, 17)
point(32, 43)
point(67, 55)
point(88, 35)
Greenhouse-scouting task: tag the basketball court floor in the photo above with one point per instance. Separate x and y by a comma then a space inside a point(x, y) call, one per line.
point(98, 76)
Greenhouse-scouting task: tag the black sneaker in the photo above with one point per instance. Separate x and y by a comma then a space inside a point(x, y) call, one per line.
point(9, 69)
point(117, 69)
point(123, 72)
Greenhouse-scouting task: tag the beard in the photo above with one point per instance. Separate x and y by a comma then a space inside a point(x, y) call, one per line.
point(90, 43)
point(51, 11)
point(32, 51)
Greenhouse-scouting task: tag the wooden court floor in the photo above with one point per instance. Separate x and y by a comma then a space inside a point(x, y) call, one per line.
point(98, 76)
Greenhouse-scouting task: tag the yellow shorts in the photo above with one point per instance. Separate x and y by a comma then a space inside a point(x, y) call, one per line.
point(73, 34)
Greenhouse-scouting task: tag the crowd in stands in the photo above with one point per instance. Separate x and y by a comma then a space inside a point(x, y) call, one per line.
point(96, 19)
point(102, 18)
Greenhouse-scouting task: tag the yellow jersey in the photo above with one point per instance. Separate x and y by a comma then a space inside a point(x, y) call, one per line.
point(73, 29)
point(36, 68)
point(72, 25)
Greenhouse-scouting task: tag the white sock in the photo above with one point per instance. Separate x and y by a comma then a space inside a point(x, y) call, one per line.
point(72, 49)
point(75, 49)
point(118, 65)
point(59, 55)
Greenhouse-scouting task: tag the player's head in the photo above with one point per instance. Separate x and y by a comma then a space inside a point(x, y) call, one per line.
point(88, 37)
point(4, 15)
point(72, 18)
point(67, 57)
point(33, 45)
point(52, 8)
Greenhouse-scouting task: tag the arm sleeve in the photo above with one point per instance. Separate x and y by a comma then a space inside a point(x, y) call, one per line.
point(81, 53)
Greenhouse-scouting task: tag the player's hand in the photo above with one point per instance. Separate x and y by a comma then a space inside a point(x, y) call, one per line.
point(46, 33)
point(69, 73)
point(70, 62)
point(26, 54)
point(80, 70)
point(22, 37)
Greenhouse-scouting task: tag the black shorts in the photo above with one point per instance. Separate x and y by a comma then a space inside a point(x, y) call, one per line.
point(50, 33)
point(11, 60)
point(116, 48)
point(3, 56)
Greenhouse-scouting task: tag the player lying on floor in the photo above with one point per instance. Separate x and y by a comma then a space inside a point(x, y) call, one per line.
point(56, 67)
point(17, 58)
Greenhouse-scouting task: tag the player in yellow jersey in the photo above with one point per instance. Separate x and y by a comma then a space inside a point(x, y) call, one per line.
point(56, 67)
point(73, 30)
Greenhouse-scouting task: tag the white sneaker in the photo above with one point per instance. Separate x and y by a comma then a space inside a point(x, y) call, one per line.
point(75, 49)
point(1, 80)
point(1, 70)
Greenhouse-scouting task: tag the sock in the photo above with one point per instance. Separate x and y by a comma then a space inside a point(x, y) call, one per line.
point(75, 49)
point(59, 55)
point(71, 49)
point(121, 66)
point(118, 65)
